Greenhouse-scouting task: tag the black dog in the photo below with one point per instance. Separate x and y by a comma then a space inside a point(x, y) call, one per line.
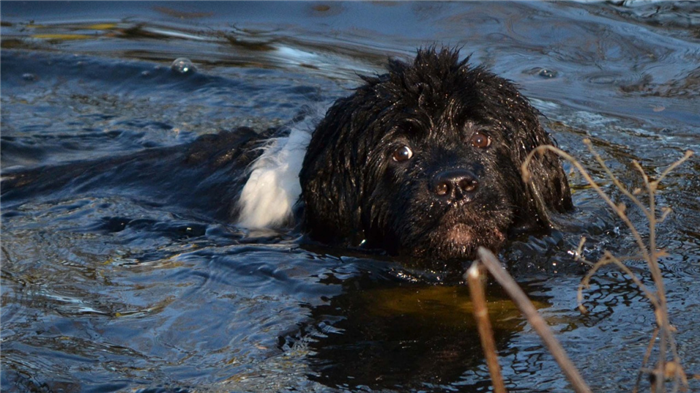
point(423, 161)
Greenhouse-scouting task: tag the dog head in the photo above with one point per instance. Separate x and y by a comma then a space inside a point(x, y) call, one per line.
point(424, 161)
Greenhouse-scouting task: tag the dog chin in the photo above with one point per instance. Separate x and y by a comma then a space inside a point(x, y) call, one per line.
point(458, 242)
point(461, 241)
point(460, 234)
point(466, 229)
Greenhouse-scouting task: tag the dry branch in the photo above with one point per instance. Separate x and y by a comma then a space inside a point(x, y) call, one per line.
point(665, 369)
point(533, 317)
point(481, 314)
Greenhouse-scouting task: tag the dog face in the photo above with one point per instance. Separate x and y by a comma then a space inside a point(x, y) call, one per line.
point(425, 161)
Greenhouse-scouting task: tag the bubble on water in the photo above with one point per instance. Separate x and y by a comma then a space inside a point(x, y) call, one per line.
point(29, 77)
point(546, 73)
point(183, 65)
point(541, 72)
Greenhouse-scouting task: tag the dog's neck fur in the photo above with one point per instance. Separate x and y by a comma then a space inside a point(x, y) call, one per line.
point(273, 186)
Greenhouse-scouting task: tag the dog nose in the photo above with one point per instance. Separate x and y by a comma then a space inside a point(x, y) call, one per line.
point(454, 184)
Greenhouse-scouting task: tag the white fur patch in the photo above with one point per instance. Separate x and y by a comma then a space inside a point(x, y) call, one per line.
point(273, 186)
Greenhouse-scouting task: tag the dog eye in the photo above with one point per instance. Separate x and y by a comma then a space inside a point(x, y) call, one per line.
point(481, 141)
point(402, 154)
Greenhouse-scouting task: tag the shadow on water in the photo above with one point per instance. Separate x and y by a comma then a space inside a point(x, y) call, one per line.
point(111, 283)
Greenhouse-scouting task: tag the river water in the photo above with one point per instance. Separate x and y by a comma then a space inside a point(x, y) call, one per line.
point(114, 292)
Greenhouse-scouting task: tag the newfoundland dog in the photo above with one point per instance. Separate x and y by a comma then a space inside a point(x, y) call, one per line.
point(423, 161)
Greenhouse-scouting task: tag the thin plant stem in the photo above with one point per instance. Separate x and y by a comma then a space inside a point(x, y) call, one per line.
point(614, 178)
point(481, 314)
point(610, 259)
point(541, 149)
point(664, 368)
point(647, 355)
point(534, 318)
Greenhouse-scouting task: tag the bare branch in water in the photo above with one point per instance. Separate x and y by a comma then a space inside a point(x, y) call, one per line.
point(665, 369)
point(534, 318)
point(481, 314)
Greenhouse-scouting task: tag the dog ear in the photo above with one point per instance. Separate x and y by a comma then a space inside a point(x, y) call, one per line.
point(330, 177)
point(547, 189)
point(335, 169)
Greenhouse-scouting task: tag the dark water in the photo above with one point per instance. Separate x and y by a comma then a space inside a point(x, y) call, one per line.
point(112, 292)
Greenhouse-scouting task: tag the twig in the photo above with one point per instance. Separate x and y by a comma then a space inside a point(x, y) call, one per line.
point(533, 317)
point(665, 369)
point(619, 209)
point(476, 289)
point(614, 179)
point(647, 355)
point(608, 258)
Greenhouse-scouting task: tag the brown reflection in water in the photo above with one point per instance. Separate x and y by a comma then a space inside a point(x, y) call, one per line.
point(389, 335)
point(182, 14)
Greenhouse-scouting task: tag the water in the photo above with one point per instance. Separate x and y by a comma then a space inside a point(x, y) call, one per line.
point(112, 291)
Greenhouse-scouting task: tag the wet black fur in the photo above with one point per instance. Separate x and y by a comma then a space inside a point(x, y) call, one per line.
point(204, 177)
point(354, 191)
